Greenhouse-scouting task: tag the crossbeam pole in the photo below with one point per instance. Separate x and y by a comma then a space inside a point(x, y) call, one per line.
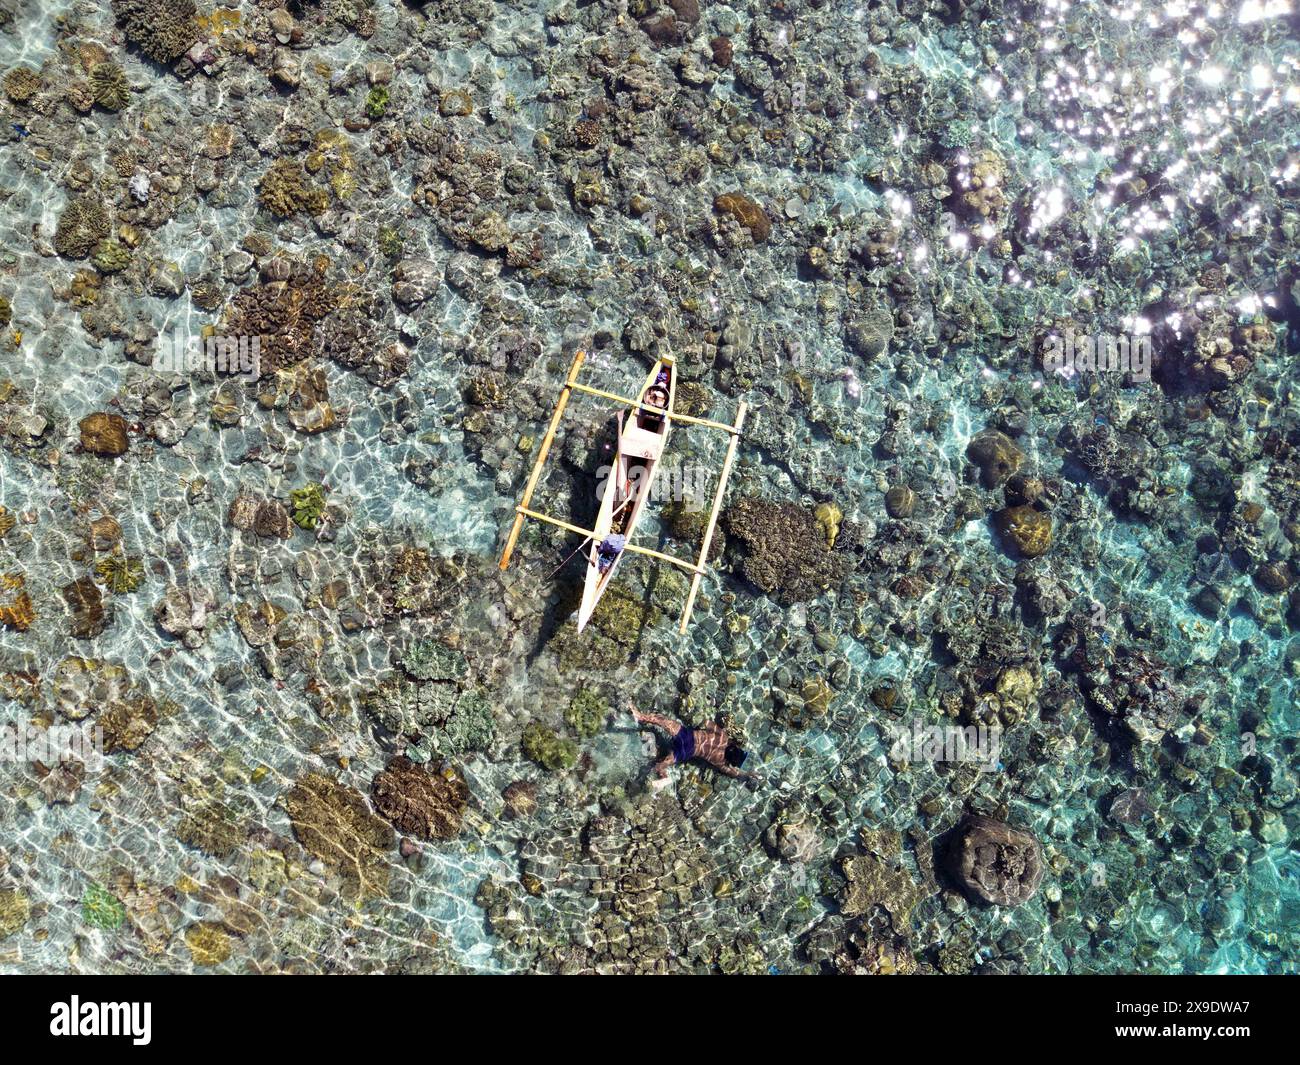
point(687, 418)
point(569, 385)
point(636, 549)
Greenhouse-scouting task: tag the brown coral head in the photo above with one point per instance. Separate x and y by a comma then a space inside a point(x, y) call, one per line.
point(995, 862)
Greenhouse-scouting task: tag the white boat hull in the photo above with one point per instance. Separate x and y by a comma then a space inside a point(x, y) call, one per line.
point(632, 474)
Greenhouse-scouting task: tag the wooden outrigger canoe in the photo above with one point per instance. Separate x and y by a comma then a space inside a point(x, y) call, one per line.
point(640, 448)
point(641, 442)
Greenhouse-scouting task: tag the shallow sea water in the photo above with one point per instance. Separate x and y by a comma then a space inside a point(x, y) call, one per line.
point(193, 836)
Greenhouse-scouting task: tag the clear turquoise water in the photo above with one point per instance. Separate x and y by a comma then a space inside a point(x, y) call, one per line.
point(1072, 100)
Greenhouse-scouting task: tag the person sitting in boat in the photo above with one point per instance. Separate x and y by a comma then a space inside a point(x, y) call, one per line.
point(656, 396)
point(609, 550)
point(709, 743)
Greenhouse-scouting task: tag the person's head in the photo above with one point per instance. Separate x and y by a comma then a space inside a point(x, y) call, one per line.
point(736, 755)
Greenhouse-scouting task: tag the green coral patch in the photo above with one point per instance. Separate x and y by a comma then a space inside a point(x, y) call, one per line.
point(308, 505)
point(101, 909)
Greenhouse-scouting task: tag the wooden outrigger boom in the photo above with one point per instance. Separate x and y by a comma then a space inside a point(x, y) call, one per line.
point(543, 451)
point(595, 583)
point(707, 542)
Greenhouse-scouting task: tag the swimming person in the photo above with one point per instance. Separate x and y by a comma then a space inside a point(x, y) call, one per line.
point(710, 743)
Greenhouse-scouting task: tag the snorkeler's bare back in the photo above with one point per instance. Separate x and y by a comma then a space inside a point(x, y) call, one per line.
point(711, 745)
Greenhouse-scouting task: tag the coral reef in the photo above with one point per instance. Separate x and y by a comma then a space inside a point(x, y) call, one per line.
point(995, 862)
point(547, 748)
point(128, 722)
point(104, 434)
point(788, 551)
point(432, 660)
point(82, 225)
point(21, 84)
point(121, 574)
point(86, 606)
point(208, 943)
point(110, 257)
point(745, 211)
point(286, 189)
point(335, 824)
point(15, 909)
point(1029, 530)
point(877, 878)
point(109, 85)
point(996, 455)
point(586, 714)
point(308, 504)
point(17, 611)
point(419, 802)
point(161, 29)
point(1007, 567)
point(101, 909)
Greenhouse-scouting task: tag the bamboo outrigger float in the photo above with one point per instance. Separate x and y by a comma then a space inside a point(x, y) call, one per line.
point(641, 441)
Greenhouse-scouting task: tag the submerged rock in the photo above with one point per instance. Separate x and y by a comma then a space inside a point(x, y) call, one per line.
point(1028, 530)
point(995, 862)
point(80, 686)
point(996, 455)
point(1130, 807)
point(212, 827)
point(334, 822)
point(747, 212)
point(208, 943)
point(310, 410)
point(243, 511)
point(104, 434)
point(15, 909)
point(61, 783)
point(128, 722)
point(520, 798)
point(104, 533)
point(272, 520)
point(418, 802)
point(1275, 577)
point(86, 606)
point(17, 611)
point(870, 333)
point(829, 517)
point(793, 836)
point(183, 612)
point(415, 281)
